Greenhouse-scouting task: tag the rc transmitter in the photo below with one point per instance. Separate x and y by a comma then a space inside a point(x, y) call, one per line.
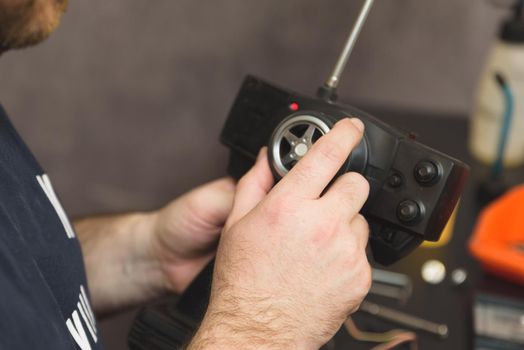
point(413, 188)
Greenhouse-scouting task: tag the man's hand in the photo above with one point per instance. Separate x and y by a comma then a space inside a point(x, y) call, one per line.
point(185, 233)
point(291, 264)
point(133, 258)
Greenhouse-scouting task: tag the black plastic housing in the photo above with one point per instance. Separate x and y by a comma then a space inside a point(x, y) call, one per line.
point(383, 153)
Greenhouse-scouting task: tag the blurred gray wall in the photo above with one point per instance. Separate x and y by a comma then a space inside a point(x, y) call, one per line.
point(124, 103)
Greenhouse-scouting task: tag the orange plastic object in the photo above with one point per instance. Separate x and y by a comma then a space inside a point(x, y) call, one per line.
point(498, 239)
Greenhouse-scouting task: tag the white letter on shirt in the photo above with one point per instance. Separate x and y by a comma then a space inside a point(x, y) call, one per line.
point(77, 331)
point(47, 187)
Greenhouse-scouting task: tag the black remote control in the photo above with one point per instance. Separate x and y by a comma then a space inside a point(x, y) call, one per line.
point(413, 188)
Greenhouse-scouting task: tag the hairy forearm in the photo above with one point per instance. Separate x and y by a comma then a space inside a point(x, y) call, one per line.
point(120, 269)
point(220, 335)
point(262, 326)
point(224, 334)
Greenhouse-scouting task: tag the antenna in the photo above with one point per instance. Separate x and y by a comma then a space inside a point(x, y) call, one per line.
point(328, 91)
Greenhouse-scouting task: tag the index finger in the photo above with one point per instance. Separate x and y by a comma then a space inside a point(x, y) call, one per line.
point(312, 174)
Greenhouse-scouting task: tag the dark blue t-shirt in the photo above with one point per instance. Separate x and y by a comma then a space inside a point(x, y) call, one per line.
point(44, 300)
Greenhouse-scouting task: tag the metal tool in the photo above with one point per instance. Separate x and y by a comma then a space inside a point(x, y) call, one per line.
point(392, 292)
point(404, 319)
point(392, 285)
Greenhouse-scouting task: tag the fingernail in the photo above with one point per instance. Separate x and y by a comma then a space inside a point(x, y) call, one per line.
point(358, 124)
point(261, 153)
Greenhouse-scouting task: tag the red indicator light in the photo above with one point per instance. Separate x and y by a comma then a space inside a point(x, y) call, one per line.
point(293, 106)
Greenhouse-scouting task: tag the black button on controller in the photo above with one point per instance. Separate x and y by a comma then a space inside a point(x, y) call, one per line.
point(408, 211)
point(395, 180)
point(426, 172)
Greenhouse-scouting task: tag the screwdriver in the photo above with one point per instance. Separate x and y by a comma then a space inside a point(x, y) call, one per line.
point(404, 319)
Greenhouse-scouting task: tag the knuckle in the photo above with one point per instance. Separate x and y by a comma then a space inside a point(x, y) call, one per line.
point(276, 208)
point(352, 256)
point(356, 305)
point(362, 226)
point(361, 220)
point(367, 277)
point(325, 229)
point(363, 285)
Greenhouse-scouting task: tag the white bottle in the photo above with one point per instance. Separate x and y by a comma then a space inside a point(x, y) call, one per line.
point(507, 59)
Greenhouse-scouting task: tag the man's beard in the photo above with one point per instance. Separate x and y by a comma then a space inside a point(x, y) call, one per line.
point(29, 23)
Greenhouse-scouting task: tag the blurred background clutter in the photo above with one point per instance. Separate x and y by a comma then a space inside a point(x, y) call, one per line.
point(123, 105)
